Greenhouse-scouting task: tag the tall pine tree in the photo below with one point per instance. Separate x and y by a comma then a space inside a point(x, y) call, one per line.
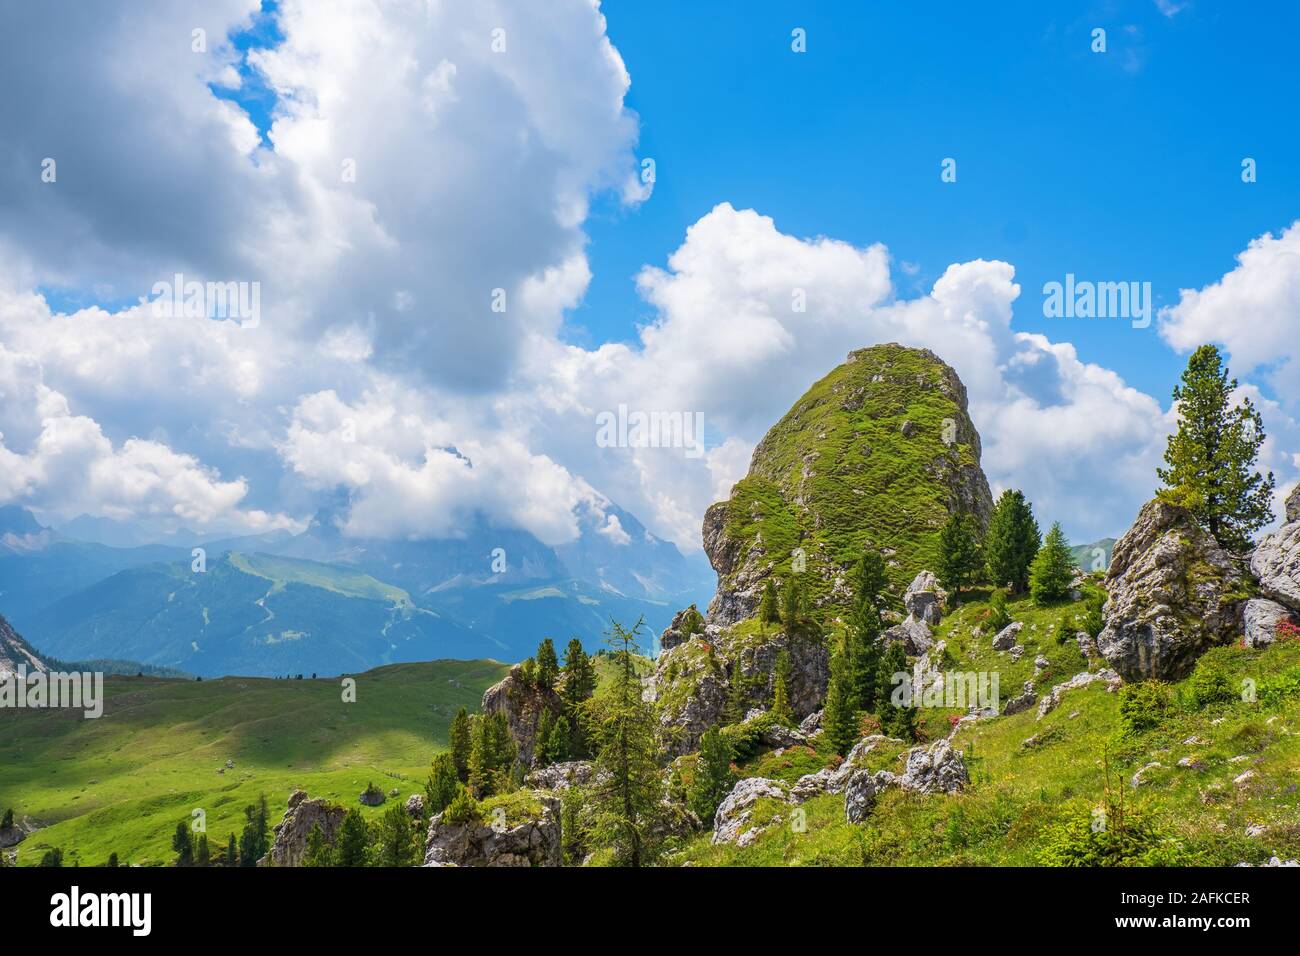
point(897, 716)
point(1011, 542)
point(461, 743)
point(713, 775)
point(1211, 457)
point(960, 556)
point(840, 712)
point(625, 798)
point(1053, 569)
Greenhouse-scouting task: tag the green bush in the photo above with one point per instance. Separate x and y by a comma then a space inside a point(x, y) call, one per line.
point(1143, 706)
point(464, 809)
point(998, 616)
point(1129, 838)
point(745, 738)
point(1210, 683)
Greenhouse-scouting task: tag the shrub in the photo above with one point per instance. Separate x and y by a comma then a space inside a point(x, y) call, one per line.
point(1210, 683)
point(998, 617)
point(463, 809)
point(1143, 706)
point(1286, 630)
point(745, 738)
point(1130, 838)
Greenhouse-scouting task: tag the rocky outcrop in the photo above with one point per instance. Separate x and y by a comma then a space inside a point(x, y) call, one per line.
point(1276, 560)
point(924, 598)
point(415, 806)
point(16, 652)
point(522, 702)
point(1005, 639)
point(859, 796)
point(1083, 679)
point(914, 635)
point(292, 832)
point(1259, 620)
point(692, 680)
point(686, 623)
point(815, 491)
point(1173, 594)
point(533, 842)
point(734, 813)
point(561, 776)
point(938, 768)
point(1024, 701)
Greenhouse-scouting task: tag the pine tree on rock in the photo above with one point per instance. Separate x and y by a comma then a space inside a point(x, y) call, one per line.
point(548, 666)
point(1012, 542)
point(713, 775)
point(1211, 457)
point(557, 744)
point(395, 838)
point(960, 555)
point(1053, 568)
point(542, 742)
point(737, 703)
point(443, 784)
point(579, 685)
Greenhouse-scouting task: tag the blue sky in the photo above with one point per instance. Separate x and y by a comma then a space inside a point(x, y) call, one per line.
point(1123, 165)
point(378, 369)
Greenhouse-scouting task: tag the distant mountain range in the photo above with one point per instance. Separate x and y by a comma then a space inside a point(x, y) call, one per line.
point(326, 603)
point(1095, 556)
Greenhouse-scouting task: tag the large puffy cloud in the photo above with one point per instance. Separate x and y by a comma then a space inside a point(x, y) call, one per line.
point(57, 461)
point(1254, 310)
point(729, 342)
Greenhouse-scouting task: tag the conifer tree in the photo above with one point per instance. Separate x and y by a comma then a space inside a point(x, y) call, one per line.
point(443, 784)
point(202, 853)
point(232, 852)
point(625, 797)
point(737, 703)
point(839, 714)
point(870, 580)
point(960, 555)
point(897, 717)
point(1211, 457)
point(352, 840)
point(1053, 568)
point(792, 601)
point(8, 821)
point(780, 709)
point(1011, 542)
point(769, 611)
point(713, 775)
point(542, 741)
point(579, 685)
point(998, 617)
point(572, 839)
point(548, 667)
point(557, 744)
point(461, 742)
point(318, 851)
point(395, 838)
point(112, 860)
point(183, 845)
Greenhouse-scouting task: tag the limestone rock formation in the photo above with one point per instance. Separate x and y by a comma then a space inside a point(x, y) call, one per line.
point(924, 598)
point(16, 652)
point(736, 809)
point(561, 776)
point(884, 436)
point(1173, 594)
point(1276, 560)
point(523, 703)
point(1259, 620)
point(532, 842)
point(291, 833)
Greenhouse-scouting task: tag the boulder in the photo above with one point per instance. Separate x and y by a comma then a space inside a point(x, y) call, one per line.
point(533, 842)
point(914, 635)
point(1276, 561)
point(291, 833)
point(737, 807)
point(415, 806)
point(811, 724)
point(924, 598)
point(1005, 639)
point(1026, 700)
point(1259, 620)
point(371, 797)
point(938, 768)
point(859, 796)
point(1173, 594)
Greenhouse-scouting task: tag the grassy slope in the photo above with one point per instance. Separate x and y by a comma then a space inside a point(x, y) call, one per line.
point(871, 486)
point(122, 782)
point(1019, 794)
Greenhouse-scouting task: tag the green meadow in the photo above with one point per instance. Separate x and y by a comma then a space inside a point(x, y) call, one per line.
point(121, 783)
